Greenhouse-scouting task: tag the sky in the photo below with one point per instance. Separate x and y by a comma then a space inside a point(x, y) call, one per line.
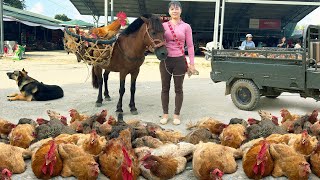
point(53, 7)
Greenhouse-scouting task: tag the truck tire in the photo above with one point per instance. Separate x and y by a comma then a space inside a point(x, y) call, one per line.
point(245, 94)
point(274, 96)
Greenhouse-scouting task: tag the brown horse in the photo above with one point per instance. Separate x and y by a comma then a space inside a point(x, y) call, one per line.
point(146, 32)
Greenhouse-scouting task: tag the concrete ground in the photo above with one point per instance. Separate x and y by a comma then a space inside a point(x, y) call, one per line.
point(202, 97)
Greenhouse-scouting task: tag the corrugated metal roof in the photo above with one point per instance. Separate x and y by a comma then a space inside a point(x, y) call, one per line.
point(29, 16)
point(201, 14)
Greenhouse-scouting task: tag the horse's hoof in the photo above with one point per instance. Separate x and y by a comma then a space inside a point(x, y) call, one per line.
point(118, 113)
point(134, 112)
point(98, 104)
point(107, 98)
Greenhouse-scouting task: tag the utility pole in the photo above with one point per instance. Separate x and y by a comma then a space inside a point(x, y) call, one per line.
point(1, 28)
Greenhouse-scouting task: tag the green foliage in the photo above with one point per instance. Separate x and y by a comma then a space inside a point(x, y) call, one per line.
point(20, 4)
point(62, 17)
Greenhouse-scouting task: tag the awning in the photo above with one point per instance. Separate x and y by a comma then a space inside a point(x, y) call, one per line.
point(8, 18)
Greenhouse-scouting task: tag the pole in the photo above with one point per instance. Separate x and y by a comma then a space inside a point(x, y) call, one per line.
point(112, 13)
point(216, 25)
point(106, 9)
point(222, 23)
point(1, 28)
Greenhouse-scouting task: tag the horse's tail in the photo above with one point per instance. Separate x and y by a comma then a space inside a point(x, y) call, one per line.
point(95, 82)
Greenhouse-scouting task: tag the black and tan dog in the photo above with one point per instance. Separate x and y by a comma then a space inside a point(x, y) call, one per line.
point(31, 89)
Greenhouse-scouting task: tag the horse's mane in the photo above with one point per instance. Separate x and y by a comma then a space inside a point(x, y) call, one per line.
point(136, 24)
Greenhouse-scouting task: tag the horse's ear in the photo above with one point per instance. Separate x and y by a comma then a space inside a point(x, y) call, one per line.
point(145, 19)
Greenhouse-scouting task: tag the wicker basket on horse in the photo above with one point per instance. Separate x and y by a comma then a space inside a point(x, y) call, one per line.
point(91, 51)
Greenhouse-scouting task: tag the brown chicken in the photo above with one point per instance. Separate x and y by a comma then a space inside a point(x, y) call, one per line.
point(287, 116)
point(5, 174)
point(289, 163)
point(77, 163)
point(5, 128)
point(169, 135)
point(76, 116)
point(162, 167)
point(233, 135)
point(22, 135)
point(148, 141)
point(304, 144)
point(46, 161)
point(105, 129)
point(12, 158)
point(315, 129)
point(211, 161)
point(214, 126)
point(257, 162)
point(112, 29)
point(204, 135)
point(94, 143)
point(315, 160)
point(118, 160)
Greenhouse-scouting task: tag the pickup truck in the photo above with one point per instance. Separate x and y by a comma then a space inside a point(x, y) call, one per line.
point(253, 73)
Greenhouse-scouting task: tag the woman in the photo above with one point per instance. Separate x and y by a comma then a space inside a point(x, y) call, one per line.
point(298, 44)
point(283, 43)
point(176, 34)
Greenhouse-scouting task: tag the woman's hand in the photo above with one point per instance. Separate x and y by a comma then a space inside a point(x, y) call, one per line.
point(193, 69)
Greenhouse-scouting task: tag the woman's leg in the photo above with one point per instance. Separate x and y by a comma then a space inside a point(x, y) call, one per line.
point(165, 81)
point(179, 69)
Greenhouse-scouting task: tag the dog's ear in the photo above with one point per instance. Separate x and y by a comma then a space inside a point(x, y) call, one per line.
point(24, 71)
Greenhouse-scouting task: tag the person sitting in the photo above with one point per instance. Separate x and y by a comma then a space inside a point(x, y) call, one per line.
point(298, 44)
point(283, 43)
point(248, 43)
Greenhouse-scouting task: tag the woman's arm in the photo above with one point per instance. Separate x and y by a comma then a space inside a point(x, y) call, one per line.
point(189, 42)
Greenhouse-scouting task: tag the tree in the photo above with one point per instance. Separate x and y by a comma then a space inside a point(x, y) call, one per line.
point(20, 4)
point(62, 17)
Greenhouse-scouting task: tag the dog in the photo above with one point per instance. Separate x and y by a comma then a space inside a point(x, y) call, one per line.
point(33, 90)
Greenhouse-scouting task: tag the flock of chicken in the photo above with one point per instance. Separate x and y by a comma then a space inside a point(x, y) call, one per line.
point(126, 150)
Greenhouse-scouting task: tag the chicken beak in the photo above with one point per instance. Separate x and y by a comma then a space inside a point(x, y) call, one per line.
point(48, 162)
point(129, 169)
point(259, 162)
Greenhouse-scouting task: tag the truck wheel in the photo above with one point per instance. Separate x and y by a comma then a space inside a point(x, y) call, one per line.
point(274, 96)
point(245, 94)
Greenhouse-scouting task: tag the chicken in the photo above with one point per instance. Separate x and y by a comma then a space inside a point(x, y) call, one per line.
point(268, 116)
point(5, 128)
point(315, 160)
point(233, 135)
point(169, 136)
point(76, 116)
point(313, 117)
point(77, 163)
point(182, 149)
point(257, 162)
point(287, 116)
point(77, 126)
point(204, 135)
point(112, 29)
point(118, 161)
point(280, 138)
point(238, 121)
point(211, 161)
point(22, 135)
point(41, 121)
point(162, 167)
point(27, 121)
point(105, 129)
point(315, 129)
point(119, 126)
point(46, 161)
point(148, 141)
point(140, 127)
point(53, 114)
point(12, 158)
point(5, 174)
point(214, 126)
point(94, 144)
point(52, 129)
point(288, 126)
point(304, 144)
point(289, 163)
point(264, 129)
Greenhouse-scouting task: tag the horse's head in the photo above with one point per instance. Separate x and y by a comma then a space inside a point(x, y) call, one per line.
point(154, 38)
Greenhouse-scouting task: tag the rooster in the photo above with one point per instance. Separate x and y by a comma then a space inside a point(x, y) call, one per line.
point(5, 174)
point(257, 162)
point(112, 29)
point(118, 160)
point(46, 161)
point(5, 128)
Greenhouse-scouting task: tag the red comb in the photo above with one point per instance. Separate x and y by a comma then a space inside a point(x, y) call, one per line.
point(121, 15)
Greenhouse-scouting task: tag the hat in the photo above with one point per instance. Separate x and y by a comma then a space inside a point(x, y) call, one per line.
point(249, 35)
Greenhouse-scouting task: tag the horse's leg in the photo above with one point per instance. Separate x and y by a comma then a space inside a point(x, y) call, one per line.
point(132, 104)
point(106, 91)
point(121, 91)
point(97, 82)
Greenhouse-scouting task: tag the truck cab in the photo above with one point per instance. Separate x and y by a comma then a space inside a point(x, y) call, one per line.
point(252, 73)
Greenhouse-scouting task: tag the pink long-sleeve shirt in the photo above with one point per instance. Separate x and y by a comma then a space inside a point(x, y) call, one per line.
point(183, 32)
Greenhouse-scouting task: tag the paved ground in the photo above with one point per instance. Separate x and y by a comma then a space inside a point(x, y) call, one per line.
point(202, 96)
